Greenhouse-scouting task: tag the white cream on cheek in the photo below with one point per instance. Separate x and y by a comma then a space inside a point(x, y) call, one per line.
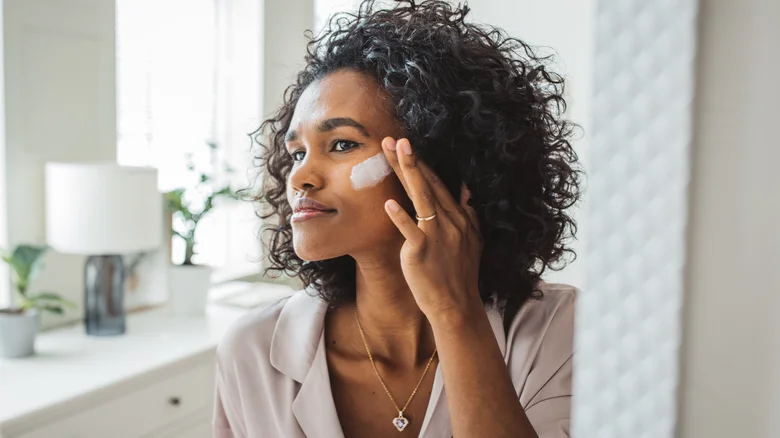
point(370, 172)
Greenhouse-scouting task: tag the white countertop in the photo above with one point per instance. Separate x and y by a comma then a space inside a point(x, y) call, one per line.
point(69, 364)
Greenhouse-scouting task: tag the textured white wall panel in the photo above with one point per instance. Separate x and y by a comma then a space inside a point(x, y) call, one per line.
point(640, 133)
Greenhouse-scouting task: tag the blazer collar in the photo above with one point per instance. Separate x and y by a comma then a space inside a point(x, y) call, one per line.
point(298, 351)
point(297, 334)
point(299, 329)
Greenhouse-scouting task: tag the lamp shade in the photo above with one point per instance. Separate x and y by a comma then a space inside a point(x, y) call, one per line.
point(102, 208)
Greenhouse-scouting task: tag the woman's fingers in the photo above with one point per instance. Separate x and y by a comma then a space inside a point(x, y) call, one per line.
point(389, 147)
point(430, 185)
point(465, 195)
point(417, 186)
point(440, 191)
point(405, 224)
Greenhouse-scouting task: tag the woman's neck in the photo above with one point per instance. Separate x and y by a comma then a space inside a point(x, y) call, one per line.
point(395, 328)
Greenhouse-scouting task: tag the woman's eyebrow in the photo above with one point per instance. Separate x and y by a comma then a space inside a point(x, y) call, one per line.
point(329, 125)
point(290, 136)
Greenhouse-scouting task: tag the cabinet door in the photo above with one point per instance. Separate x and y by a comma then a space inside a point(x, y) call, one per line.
point(200, 429)
point(141, 412)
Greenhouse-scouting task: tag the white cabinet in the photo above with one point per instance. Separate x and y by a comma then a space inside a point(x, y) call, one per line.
point(185, 394)
point(156, 381)
point(195, 430)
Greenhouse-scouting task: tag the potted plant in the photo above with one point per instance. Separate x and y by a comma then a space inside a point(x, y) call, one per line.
point(19, 325)
point(189, 282)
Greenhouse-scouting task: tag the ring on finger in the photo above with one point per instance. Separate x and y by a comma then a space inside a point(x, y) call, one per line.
point(427, 218)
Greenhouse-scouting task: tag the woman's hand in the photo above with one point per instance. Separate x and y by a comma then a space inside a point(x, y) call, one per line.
point(440, 258)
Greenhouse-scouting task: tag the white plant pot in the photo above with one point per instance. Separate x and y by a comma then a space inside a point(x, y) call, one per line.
point(188, 289)
point(17, 333)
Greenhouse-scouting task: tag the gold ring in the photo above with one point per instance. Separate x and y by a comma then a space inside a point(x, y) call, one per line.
point(425, 218)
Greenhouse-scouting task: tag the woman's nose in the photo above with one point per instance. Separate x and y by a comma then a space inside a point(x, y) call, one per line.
point(307, 175)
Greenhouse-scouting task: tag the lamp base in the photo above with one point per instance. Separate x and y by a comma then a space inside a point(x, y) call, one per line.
point(104, 293)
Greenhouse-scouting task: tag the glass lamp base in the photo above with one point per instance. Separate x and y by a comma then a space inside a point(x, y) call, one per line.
point(104, 309)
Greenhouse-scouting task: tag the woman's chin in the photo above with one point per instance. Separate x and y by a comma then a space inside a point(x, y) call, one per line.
point(309, 254)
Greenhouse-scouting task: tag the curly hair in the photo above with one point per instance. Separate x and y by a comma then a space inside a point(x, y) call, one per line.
point(479, 107)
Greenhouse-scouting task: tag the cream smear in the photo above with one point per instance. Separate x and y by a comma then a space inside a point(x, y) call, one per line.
point(370, 172)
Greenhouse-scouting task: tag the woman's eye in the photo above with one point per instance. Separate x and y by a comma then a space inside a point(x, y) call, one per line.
point(298, 155)
point(344, 145)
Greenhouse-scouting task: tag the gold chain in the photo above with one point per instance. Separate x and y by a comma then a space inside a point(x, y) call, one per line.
point(371, 358)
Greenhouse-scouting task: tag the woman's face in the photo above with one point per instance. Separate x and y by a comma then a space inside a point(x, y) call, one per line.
point(339, 122)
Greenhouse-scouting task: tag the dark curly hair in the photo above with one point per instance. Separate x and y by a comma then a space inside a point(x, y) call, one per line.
point(479, 107)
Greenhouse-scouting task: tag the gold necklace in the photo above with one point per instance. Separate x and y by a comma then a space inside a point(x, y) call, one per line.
point(400, 422)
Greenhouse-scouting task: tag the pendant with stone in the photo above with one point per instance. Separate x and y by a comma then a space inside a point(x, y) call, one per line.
point(400, 422)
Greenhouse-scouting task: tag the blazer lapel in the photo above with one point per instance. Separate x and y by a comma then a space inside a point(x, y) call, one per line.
point(298, 351)
point(313, 407)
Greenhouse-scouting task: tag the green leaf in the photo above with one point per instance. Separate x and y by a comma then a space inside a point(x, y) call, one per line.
point(51, 298)
point(26, 261)
point(188, 211)
point(173, 200)
point(48, 301)
point(226, 192)
point(45, 296)
point(53, 309)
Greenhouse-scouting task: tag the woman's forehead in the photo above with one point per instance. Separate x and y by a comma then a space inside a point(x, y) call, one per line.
point(343, 93)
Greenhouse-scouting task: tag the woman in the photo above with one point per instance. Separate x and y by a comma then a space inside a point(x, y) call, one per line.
point(420, 173)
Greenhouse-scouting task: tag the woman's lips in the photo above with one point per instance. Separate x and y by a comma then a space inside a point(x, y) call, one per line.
point(306, 208)
point(306, 214)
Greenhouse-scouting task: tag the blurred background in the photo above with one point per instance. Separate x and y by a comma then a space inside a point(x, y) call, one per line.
point(678, 250)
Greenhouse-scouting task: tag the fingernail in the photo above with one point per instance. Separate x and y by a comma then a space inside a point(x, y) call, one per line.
point(393, 206)
point(406, 147)
point(390, 144)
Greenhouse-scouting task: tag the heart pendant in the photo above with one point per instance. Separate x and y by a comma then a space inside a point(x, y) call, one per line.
point(400, 422)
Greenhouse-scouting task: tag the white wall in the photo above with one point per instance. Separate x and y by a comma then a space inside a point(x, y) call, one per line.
point(731, 361)
point(59, 58)
point(4, 271)
point(284, 46)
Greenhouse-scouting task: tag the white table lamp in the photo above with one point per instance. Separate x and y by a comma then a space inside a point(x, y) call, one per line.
point(103, 210)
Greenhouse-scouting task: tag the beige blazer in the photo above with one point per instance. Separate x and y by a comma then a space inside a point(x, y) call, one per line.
point(272, 373)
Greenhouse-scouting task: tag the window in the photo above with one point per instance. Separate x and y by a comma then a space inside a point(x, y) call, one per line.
point(188, 72)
